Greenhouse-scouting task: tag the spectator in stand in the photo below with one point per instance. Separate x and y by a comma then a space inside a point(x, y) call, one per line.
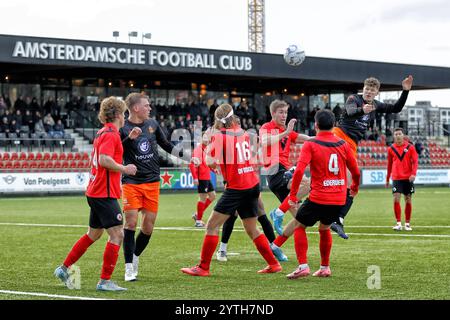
point(7, 101)
point(18, 117)
point(14, 127)
point(250, 124)
point(337, 110)
point(204, 112)
point(4, 125)
point(28, 120)
point(39, 125)
point(374, 136)
point(378, 118)
point(212, 109)
point(8, 115)
point(419, 148)
point(3, 106)
point(49, 122)
point(58, 130)
point(20, 104)
point(49, 106)
point(34, 105)
point(180, 123)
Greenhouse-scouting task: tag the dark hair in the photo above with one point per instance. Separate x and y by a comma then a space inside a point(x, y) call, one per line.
point(399, 129)
point(324, 119)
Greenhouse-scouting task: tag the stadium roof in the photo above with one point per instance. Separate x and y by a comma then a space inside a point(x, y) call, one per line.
point(29, 59)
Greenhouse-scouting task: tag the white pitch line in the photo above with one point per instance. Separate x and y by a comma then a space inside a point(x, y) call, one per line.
point(38, 294)
point(241, 229)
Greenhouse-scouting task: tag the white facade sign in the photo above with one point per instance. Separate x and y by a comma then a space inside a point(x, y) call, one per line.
point(101, 54)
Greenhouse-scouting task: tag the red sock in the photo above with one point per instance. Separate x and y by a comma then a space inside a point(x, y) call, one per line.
point(209, 246)
point(78, 249)
point(262, 244)
point(207, 203)
point(398, 211)
point(109, 260)
point(301, 245)
point(325, 247)
point(280, 240)
point(408, 210)
point(200, 209)
point(284, 206)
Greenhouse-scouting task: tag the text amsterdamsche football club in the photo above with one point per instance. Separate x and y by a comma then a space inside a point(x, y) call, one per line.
point(121, 55)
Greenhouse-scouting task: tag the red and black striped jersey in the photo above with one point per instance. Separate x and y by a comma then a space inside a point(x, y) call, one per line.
point(328, 157)
point(403, 161)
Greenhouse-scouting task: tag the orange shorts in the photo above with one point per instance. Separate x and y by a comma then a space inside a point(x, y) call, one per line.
point(141, 196)
point(341, 134)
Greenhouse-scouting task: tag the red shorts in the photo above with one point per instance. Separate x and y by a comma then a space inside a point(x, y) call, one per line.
point(341, 134)
point(141, 196)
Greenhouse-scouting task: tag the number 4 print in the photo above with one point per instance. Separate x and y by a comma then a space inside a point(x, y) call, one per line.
point(333, 164)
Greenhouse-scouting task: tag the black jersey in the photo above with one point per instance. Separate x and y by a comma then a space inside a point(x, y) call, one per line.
point(143, 151)
point(353, 120)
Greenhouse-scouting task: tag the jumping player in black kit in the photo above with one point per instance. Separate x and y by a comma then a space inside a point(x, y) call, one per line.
point(359, 111)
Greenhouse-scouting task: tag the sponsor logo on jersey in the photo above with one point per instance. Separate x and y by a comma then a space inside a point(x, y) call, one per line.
point(151, 129)
point(144, 146)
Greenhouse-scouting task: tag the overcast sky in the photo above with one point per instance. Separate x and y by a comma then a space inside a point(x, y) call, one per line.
point(404, 31)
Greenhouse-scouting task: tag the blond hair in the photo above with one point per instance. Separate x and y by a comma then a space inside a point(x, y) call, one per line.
point(221, 113)
point(134, 98)
point(110, 108)
point(372, 82)
point(276, 104)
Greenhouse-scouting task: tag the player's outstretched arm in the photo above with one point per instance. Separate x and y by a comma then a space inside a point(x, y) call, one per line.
point(268, 139)
point(407, 83)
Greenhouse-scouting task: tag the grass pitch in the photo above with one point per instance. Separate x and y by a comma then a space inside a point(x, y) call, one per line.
point(37, 233)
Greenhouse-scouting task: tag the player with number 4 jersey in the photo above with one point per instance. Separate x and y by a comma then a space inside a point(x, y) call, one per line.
point(328, 157)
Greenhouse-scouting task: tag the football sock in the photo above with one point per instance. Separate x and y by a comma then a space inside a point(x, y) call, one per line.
point(129, 245)
point(267, 227)
point(301, 245)
point(208, 248)
point(325, 243)
point(284, 206)
point(200, 210)
point(262, 244)
point(109, 260)
point(78, 249)
point(346, 208)
point(141, 242)
point(207, 203)
point(223, 246)
point(227, 228)
point(408, 210)
point(398, 211)
point(280, 240)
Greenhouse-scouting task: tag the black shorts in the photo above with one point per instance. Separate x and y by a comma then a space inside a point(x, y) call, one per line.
point(310, 212)
point(278, 184)
point(403, 186)
point(205, 186)
point(245, 202)
point(105, 213)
